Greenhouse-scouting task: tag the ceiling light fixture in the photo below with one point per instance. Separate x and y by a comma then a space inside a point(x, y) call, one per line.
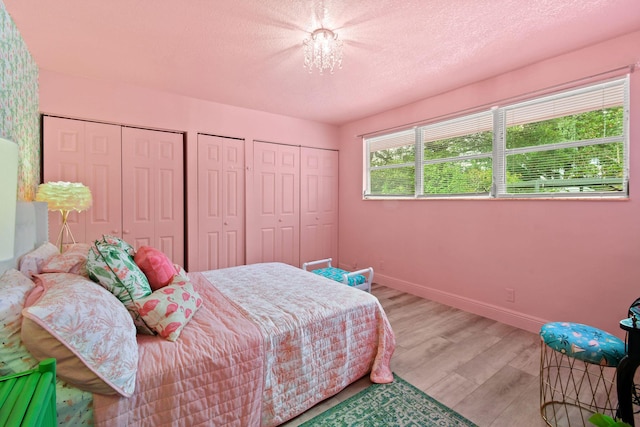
point(322, 50)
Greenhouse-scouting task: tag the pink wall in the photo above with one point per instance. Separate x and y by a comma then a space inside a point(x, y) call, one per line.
point(571, 260)
point(74, 97)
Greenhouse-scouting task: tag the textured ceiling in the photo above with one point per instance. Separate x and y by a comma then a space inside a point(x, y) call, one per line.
point(248, 53)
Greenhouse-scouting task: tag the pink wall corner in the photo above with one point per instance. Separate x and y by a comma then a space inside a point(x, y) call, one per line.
point(74, 97)
point(570, 260)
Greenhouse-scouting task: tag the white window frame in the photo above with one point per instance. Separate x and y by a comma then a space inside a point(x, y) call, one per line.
point(501, 118)
point(460, 126)
point(392, 140)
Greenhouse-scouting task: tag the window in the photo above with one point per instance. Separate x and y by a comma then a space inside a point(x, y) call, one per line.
point(569, 144)
point(457, 156)
point(392, 164)
point(573, 142)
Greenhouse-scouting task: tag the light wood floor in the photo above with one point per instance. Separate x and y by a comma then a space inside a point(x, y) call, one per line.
point(485, 370)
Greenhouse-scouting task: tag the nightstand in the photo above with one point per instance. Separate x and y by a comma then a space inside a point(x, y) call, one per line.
point(29, 398)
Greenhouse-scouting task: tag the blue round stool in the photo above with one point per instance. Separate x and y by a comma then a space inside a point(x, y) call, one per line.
point(577, 373)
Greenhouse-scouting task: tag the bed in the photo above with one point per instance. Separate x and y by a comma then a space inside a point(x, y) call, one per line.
point(267, 342)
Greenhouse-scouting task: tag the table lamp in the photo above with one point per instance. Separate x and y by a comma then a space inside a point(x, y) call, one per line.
point(65, 197)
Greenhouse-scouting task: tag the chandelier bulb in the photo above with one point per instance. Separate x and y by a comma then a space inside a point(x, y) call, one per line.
point(323, 51)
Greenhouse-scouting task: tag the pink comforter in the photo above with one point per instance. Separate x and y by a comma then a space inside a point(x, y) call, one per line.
point(270, 341)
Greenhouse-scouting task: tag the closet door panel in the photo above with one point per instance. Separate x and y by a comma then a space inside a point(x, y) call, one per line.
point(233, 248)
point(319, 205)
point(169, 222)
point(265, 218)
point(268, 190)
point(277, 188)
point(209, 214)
point(152, 191)
point(267, 241)
point(288, 244)
point(170, 192)
point(63, 154)
point(233, 206)
point(104, 177)
point(210, 254)
point(138, 227)
point(289, 215)
point(220, 202)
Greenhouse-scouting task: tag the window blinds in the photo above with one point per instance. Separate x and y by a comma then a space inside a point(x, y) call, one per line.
point(557, 145)
point(601, 96)
point(566, 144)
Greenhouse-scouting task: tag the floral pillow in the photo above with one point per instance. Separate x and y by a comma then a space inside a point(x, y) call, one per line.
point(169, 309)
point(180, 271)
point(155, 265)
point(118, 242)
point(73, 260)
point(87, 330)
point(14, 357)
point(32, 262)
point(115, 270)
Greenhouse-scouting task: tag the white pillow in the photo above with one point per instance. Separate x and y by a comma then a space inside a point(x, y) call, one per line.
point(87, 330)
point(14, 357)
point(32, 262)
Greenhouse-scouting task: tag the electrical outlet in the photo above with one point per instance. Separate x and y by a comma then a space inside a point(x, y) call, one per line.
point(510, 294)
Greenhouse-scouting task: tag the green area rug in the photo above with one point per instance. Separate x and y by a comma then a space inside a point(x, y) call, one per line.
point(398, 404)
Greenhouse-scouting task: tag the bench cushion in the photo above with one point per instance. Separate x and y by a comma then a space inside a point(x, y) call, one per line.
point(584, 343)
point(337, 274)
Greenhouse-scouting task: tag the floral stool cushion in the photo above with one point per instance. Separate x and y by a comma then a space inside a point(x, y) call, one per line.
point(337, 274)
point(584, 343)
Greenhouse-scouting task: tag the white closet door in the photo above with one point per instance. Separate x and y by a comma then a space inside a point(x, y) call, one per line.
point(318, 205)
point(86, 152)
point(275, 223)
point(103, 154)
point(220, 202)
point(153, 190)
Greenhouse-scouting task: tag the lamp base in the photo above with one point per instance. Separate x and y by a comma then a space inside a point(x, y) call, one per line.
point(65, 232)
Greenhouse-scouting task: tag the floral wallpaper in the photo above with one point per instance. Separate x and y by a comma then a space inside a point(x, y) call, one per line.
point(19, 104)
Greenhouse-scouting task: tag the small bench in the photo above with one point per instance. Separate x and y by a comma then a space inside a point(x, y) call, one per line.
point(360, 279)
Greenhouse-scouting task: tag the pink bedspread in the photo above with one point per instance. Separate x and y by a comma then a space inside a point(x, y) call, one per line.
point(211, 375)
point(289, 340)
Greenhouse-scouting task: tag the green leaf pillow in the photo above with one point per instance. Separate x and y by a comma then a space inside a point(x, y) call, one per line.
point(117, 242)
point(114, 269)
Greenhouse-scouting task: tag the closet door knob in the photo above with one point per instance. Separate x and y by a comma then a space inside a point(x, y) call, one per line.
point(225, 223)
point(126, 231)
point(114, 231)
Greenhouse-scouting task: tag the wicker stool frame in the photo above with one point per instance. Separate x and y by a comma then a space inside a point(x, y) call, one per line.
point(571, 390)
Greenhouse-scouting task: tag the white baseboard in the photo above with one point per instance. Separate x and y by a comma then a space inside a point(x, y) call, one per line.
point(500, 314)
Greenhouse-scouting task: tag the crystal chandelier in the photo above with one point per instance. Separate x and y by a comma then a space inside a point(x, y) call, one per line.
point(322, 50)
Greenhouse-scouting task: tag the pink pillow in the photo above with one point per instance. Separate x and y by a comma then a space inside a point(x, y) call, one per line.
point(155, 265)
point(168, 310)
point(32, 262)
point(87, 330)
point(73, 260)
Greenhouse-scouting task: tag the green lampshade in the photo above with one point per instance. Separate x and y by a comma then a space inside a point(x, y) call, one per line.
point(65, 196)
